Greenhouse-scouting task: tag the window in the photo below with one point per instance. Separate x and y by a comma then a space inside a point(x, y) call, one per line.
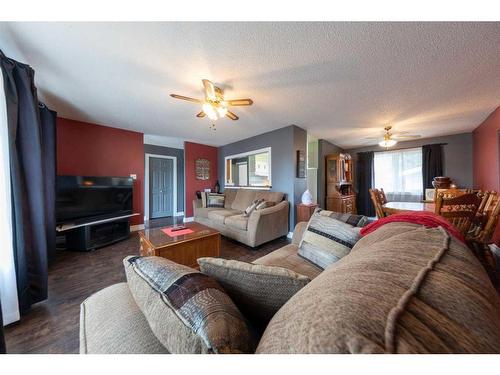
point(250, 169)
point(399, 173)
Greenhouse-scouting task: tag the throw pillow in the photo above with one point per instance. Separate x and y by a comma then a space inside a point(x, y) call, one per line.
point(203, 199)
point(215, 200)
point(265, 204)
point(188, 312)
point(258, 290)
point(326, 240)
point(252, 206)
point(354, 220)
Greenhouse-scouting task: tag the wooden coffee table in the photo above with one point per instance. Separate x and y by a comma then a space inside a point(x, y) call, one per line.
point(183, 249)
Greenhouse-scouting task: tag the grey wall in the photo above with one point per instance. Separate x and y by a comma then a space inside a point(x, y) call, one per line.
point(324, 148)
point(179, 154)
point(284, 143)
point(458, 152)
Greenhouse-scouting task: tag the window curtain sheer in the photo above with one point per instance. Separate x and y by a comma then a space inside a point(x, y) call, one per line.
point(364, 182)
point(432, 164)
point(32, 177)
point(399, 173)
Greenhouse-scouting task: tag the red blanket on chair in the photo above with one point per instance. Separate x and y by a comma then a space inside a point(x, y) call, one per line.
point(428, 219)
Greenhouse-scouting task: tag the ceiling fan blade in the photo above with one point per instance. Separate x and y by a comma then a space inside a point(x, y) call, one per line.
point(201, 114)
point(193, 100)
point(232, 116)
point(239, 102)
point(209, 89)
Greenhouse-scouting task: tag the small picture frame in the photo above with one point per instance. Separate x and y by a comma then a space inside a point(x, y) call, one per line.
point(202, 169)
point(301, 164)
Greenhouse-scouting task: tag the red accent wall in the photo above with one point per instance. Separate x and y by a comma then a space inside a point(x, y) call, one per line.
point(95, 150)
point(486, 155)
point(193, 151)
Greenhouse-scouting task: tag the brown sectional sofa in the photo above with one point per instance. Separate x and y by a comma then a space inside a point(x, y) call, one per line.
point(260, 227)
point(402, 289)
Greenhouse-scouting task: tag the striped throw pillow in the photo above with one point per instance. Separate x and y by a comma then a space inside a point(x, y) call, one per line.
point(215, 200)
point(354, 220)
point(252, 207)
point(187, 311)
point(326, 240)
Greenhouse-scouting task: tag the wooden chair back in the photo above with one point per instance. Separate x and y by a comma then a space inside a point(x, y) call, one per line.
point(382, 196)
point(375, 197)
point(491, 214)
point(450, 193)
point(459, 211)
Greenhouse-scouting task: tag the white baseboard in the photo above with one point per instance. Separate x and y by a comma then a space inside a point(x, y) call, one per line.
point(188, 219)
point(289, 235)
point(135, 228)
point(181, 213)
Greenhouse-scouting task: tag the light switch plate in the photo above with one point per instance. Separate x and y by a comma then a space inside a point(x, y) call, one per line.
point(134, 176)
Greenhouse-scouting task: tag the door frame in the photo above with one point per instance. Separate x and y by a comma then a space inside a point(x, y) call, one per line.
point(146, 183)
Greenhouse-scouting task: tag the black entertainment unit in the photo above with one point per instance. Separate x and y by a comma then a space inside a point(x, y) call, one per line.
point(94, 236)
point(93, 212)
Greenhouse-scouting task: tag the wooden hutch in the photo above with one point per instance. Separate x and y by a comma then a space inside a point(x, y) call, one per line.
point(340, 196)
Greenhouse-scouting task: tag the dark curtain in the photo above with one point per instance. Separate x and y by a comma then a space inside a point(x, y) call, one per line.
point(3, 349)
point(432, 164)
point(48, 127)
point(364, 181)
point(31, 163)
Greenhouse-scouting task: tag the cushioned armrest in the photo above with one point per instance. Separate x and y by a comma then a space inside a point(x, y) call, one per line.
point(300, 228)
point(269, 223)
point(196, 204)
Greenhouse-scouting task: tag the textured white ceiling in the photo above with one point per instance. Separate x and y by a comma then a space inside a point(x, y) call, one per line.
point(340, 81)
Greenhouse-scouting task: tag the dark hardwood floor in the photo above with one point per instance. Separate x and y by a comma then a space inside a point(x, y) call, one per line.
point(52, 326)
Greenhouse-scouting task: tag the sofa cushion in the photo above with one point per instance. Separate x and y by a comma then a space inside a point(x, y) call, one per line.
point(187, 311)
point(203, 211)
point(229, 195)
point(287, 257)
point(219, 216)
point(419, 291)
point(326, 240)
point(270, 196)
point(243, 199)
point(237, 221)
point(112, 323)
point(258, 290)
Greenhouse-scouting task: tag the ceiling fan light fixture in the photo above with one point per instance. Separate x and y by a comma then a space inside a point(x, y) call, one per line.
point(210, 111)
point(222, 111)
point(386, 143)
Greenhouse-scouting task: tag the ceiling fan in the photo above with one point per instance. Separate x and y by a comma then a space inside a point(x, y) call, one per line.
point(214, 105)
point(390, 139)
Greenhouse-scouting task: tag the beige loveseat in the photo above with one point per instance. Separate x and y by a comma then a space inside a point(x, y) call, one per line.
point(402, 289)
point(260, 227)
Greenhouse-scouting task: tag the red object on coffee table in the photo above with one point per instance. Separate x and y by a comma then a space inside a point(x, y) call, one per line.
point(169, 232)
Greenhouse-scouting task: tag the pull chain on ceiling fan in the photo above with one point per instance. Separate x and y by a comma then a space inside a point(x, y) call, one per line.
point(215, 106)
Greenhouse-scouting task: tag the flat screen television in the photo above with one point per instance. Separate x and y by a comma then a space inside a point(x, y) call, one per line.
point(82, 199)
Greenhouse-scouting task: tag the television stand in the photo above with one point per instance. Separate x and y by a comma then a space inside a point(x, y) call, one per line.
point(99, 234)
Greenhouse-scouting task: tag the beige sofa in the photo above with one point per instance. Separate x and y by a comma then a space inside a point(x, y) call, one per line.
point(402, 289)
point(260, 227)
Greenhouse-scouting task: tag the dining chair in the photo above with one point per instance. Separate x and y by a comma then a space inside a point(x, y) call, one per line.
point(481, 238)
point(375, 197)
point(460, 210)
point(450, 193)
point(382, 196)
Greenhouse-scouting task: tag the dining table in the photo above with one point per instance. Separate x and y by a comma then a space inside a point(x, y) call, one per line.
point(391, 208)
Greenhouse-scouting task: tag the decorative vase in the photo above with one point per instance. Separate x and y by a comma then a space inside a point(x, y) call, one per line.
point(307, 197)
point(217, 187)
